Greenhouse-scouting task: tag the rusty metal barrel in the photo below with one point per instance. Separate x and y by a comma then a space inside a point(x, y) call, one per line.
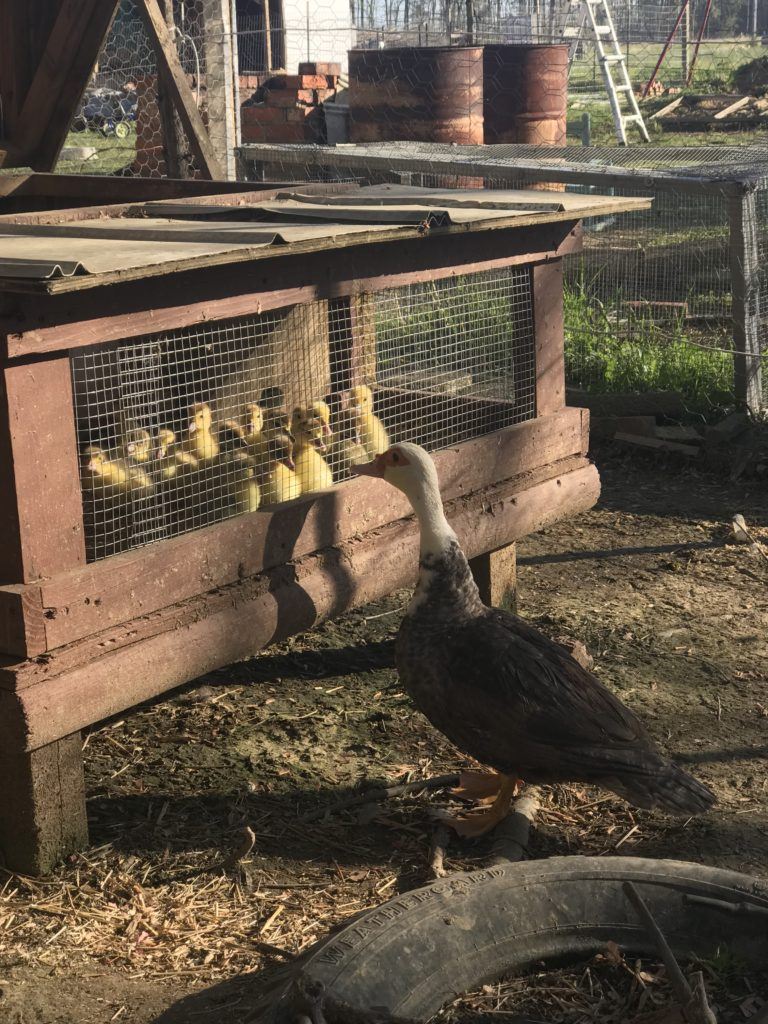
point(422, 94)
point(525, 93)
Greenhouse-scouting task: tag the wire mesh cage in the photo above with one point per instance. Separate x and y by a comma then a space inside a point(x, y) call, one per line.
point(669, 298)
point(179, 431)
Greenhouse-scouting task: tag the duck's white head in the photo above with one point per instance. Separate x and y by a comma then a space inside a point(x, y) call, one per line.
point(410, 469)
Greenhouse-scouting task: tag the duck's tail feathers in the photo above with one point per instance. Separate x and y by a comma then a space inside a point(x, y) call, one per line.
point(670, 789)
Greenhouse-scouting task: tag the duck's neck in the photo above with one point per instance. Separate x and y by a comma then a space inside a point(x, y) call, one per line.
point(445, 579)
point(436, 534)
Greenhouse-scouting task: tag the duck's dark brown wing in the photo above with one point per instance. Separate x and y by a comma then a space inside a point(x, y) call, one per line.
point(519, 702)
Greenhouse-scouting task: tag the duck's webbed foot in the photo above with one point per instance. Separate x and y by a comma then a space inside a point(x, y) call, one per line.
point(481, 820)
point(478, 786)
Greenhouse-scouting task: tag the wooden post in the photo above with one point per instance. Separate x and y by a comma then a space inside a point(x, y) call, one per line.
point(42, 804)
point(175, 80)
point(496, 577)
point(685, 44)
point(220, 74)
point(547, 288)
point(41, 514)
point(745, 286)
point(178, 156)
point(268, 36)
point(49, 59)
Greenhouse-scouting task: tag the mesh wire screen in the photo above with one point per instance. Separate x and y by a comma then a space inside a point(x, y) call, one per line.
point(649, 303)
point(229, 48)
point(178, 431)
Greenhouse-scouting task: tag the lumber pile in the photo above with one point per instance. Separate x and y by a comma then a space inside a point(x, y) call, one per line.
point(736, 445)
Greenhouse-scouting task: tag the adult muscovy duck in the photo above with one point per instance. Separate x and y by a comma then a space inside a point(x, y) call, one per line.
point(503, 692)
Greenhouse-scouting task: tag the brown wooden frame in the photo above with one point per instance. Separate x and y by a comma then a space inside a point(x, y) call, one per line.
point(76, 637)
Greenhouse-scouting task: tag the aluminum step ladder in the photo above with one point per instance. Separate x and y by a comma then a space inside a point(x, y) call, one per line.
point(595, 15)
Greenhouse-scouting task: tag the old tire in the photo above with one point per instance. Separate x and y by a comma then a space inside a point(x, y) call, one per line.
point(408, 957)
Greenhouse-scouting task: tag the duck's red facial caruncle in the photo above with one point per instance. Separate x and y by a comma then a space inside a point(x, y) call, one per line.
point(393, 458)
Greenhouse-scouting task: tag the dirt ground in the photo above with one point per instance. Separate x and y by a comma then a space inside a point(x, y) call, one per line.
point(153, 923)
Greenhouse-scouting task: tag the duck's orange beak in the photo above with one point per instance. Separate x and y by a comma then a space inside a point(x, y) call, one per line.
point(375, 468)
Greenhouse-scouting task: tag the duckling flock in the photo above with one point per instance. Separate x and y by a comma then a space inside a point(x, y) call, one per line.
point(239, 465)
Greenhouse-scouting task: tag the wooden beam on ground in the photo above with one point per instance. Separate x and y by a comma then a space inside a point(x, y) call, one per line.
point(742, 101)
point(175, 79)
point(668, 108)
point(60, 80)
point(495, 574)
point(227, 625)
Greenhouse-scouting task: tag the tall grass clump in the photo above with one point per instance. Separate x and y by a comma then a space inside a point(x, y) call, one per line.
point(629, 352)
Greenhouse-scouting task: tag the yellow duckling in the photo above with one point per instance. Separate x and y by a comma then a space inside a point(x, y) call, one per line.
point(202, 442)
point(373, 433)
point(247, 490)
point(347, 449)
point(323, 413)
point(311, 468)
point(100, 472)
point(171, 457)
point(279, 481)
point(137, 446)
point(254, 423)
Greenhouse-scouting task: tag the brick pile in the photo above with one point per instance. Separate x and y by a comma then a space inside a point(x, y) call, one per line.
point(288, 108)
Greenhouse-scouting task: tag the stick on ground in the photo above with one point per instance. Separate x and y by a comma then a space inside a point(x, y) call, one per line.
point(695, 1007)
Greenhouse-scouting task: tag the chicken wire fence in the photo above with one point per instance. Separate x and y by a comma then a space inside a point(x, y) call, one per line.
point(673, 297)
point(229, 51)
point(180, 430)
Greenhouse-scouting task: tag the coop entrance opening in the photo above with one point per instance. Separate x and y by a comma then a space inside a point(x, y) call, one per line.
point(183, 429)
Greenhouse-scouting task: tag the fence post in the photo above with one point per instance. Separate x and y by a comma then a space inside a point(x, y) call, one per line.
point(220, 73)
point(745, 286)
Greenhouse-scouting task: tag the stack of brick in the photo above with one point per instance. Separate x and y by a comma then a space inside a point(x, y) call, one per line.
point(288, 108)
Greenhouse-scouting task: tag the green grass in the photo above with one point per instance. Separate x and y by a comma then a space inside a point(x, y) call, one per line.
point(713, 72)
point(641, 355)
point(112, 154)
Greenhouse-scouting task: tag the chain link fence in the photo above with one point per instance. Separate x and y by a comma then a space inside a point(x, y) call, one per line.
point(127, 124)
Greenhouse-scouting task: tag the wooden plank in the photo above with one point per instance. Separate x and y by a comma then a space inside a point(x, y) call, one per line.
point(496, 577)
point(742, 101)
point(22, 626)
point(104, 594)
point(60, 79)
point(667, 108)
point(657, 443)
point(322, 242)
point(166, 196)
point(228, 625)
point(163, 303)
point(547, 281)
point(175, 79)
point(42, 802)
point(42, 510)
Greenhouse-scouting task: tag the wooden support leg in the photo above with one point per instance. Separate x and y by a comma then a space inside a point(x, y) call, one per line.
point(496, 577)
point(42, 805)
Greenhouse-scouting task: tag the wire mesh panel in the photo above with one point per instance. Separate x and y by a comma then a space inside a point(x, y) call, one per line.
point(181, 430)
point(650, 302)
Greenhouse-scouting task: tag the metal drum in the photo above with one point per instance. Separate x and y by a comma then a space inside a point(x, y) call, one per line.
point(525, 94)
point(420, 94)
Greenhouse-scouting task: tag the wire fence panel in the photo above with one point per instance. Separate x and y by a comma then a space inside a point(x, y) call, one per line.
point(229, 51)
point(181, 430)
point(650, 301)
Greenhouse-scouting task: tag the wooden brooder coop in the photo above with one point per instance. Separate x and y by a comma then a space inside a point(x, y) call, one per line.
point(123, 319)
